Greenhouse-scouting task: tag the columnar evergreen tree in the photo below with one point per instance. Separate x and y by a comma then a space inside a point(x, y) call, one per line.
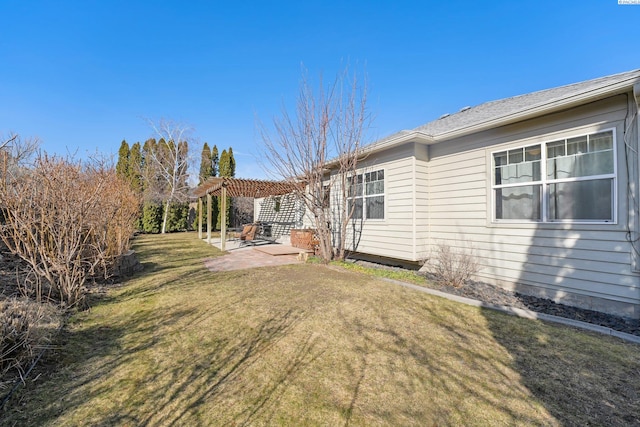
point(215, 163)
point(208, 168)
point(215, 160)
point(151, 189)
point(232, 163)
point(206, 163)
point(157, 173)
point(227, 167)
point(122, 167)
point(135, 168)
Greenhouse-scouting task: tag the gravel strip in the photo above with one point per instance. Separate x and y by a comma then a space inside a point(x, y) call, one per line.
point(498, 296)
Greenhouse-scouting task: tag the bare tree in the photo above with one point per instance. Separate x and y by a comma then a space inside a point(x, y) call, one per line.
point(352, 121)
point(321, 145)
point(16, 152)
point(8, 141)
point(171, 158)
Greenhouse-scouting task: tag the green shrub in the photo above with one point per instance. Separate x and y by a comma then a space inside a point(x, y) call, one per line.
point(151, 217)
point(178, 218)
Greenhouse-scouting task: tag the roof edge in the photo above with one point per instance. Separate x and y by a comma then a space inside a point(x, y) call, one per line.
point(397, 139)
point(544, 108)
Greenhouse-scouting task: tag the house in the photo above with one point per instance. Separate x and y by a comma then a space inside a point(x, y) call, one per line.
point(542, 186)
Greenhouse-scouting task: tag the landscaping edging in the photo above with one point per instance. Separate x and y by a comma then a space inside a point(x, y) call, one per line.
point(527, 314)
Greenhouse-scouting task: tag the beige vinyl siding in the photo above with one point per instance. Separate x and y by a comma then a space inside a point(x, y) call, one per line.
point(421, 225)
point(394, 236)
point(561, 260)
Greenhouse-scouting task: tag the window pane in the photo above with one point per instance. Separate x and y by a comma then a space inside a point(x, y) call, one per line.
point(500, 159)
point(515, 156)
point(521, 172)
point(374, 176)
point(374, 183)
point(326, 196)
point(601, 141)
point(355, 186)
point(588, 164)
point(532, 153)
point(555, 149)
point(375, 207)
point(356, 205)
point(375, 187)
point(577, 145)
point(581, 200)
point(523, 165)
point(518, 202)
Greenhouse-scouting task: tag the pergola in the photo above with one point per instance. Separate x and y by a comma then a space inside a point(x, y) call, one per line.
point(236, 187)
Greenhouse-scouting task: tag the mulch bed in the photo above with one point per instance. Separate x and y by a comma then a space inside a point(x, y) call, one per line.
point(499, 296)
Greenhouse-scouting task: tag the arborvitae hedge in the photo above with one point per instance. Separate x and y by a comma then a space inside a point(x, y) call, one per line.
point(152, 217)
point(178, 218)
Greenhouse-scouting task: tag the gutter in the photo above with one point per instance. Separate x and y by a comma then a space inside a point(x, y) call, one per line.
point(399, 138)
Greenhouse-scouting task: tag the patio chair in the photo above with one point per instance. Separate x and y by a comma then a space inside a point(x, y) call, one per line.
point(248, 232)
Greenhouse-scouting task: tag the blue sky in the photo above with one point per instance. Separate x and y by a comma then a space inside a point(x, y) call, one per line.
point(83, 75)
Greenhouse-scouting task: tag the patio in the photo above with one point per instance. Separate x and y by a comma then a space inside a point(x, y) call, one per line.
point(224, 187)
point(256, 254)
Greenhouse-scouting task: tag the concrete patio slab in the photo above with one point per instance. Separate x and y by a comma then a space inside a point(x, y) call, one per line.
point(248, 257)
point(278, 250)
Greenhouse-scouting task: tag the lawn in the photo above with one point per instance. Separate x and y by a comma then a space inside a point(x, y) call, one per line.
point(315, 345)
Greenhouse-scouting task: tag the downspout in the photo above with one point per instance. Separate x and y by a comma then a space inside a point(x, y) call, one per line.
point(414, 255)
point(636, 97)
point(631, 139)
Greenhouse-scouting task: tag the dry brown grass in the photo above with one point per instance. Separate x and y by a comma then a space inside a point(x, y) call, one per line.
point(317, 345)
point(26, 329)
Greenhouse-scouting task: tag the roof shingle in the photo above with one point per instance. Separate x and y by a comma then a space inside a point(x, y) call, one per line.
point(496, 109)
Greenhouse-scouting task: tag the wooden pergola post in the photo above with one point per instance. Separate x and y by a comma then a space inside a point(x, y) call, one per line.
point(209, 218)
point(200, 218)
point(223, 218)
point(224, 187)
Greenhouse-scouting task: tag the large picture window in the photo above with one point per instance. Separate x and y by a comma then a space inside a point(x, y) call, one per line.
point(366, 195)
point(572, 179)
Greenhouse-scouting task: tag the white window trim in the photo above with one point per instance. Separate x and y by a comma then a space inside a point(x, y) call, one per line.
point(544, 182)
point(364, 197)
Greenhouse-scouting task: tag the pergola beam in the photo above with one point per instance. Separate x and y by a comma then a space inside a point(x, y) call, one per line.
point(224, 187)
point(238, 187)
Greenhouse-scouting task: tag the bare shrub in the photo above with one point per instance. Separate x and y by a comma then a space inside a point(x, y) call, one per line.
point(454, 266)
point(68, 220)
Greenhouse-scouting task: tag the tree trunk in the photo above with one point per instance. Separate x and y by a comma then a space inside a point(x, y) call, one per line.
point(165, 216)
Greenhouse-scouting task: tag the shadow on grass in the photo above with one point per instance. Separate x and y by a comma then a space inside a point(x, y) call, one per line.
point(454, 369)
point(154, 364)
point(178, 395)
point(580, 378)
point(130, 357)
